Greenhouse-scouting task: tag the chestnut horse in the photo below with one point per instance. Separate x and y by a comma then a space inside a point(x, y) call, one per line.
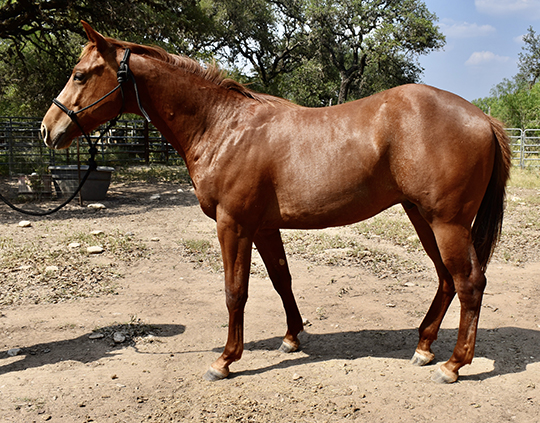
point(260, 163)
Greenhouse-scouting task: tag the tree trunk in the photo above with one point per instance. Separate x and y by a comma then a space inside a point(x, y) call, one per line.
point(344, 88)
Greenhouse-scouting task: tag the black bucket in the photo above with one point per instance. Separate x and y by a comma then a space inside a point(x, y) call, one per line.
point(67, 178)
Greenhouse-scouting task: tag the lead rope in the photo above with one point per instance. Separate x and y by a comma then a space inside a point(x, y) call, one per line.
point(123, 75)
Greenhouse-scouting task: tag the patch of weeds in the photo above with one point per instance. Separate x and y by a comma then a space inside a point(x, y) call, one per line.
point(391, 226)
point(152, 174)
point(123, 246)
point(524, 178)
point(133, 330)
point(48, 271)
point(201, 252)
point(6, 243)
point(321, 313)
point(337, 250)
point(519, 245)
point(197, 246)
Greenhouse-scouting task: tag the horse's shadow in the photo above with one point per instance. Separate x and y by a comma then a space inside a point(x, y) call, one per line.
point(82, 349)
point(510, 348)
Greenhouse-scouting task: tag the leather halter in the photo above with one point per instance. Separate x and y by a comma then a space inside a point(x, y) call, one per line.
point(123, 75)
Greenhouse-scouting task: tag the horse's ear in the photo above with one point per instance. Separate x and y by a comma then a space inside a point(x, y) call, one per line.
point(95, 37)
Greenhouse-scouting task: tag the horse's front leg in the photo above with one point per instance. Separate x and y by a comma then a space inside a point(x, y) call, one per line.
point(236, 244)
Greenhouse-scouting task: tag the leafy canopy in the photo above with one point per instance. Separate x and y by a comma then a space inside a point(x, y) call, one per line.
point(516, 101)
point(313, 52)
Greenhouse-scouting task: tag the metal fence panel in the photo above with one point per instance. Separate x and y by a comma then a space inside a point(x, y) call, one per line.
point(131, 141)
point(525, 147)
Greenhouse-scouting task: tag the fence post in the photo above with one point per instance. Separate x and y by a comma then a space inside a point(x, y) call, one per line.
point(10, 144)
point(146, 135)
point(522, 149)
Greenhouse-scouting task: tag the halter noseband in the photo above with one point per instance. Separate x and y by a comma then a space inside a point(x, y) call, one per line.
point(123, 75)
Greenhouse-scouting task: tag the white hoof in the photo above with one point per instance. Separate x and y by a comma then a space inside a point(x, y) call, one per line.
point(441, 375)
point(287, 348)
point(213, 375)
point(421, 359)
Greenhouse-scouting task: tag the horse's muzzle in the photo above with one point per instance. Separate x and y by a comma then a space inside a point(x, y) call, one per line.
point(55, 139)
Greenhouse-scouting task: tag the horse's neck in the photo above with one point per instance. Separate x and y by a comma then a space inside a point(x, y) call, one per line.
point(189, 110)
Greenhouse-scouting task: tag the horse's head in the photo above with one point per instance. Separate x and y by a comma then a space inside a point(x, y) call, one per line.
point(93, 77)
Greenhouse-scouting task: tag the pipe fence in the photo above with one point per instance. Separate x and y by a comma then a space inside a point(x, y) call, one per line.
point(130, 142)
point(525, 147)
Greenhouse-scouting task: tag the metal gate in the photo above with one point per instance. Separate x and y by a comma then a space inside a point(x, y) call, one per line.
point(525, 147)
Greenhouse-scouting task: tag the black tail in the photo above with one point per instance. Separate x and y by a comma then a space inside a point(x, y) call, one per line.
point(487, 225)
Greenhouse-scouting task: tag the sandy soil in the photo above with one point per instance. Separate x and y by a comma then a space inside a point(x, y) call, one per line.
point(58, 324)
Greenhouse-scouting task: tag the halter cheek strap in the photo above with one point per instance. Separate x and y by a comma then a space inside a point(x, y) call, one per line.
point(124, 74)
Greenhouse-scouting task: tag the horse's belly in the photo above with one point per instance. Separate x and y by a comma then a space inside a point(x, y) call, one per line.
point(312, 209)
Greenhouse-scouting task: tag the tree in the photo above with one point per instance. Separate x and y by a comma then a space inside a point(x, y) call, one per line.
point(363, 38)
point(514, 102)
point(40, 40)
point(311, 51)
point(267, 37)
point(338, 49)
point(529, 58)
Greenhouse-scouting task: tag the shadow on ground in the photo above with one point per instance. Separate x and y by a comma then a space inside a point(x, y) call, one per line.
point(511, 348)
point(84, 349)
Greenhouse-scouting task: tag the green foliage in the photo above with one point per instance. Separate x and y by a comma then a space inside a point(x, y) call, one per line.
point(311, 51)
point(312, 84)
point(529, 59)
point(373, 45)
point(262, 39)
point(29, 79)
point(40, 41)
point(516, 101)
point(316, 52)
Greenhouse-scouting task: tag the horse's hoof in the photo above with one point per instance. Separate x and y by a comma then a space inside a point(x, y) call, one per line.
point(421, 359)
point(213, 375)
point(287, 347)
point(442, 375)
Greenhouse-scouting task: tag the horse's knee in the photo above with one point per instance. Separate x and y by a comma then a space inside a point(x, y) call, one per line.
point(236, 300)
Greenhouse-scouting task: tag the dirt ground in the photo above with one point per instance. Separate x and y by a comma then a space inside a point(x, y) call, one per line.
point(126, 335)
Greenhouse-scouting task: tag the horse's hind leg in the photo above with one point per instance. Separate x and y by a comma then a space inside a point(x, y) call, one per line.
point(459, 257)
point(432, 321)
point(270, 247)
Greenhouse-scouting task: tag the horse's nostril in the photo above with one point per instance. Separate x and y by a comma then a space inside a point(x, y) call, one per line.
point(43, 132)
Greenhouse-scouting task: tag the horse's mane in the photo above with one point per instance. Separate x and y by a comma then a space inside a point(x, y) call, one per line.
point(210, 72)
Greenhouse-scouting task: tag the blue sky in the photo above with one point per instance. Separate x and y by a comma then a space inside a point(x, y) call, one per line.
point(483, 42)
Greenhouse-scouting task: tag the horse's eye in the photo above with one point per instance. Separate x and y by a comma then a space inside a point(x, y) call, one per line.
point(78, 76)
